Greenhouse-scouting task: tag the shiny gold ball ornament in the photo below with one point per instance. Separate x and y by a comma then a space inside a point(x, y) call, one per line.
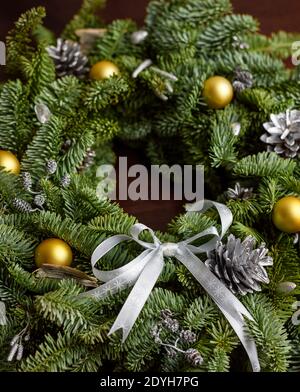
point(53, 251)
point(103, 70)
point(218, 92)
point(8, 162)
point(286, 214)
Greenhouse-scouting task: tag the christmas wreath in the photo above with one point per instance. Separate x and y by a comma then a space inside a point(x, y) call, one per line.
point(197, 85)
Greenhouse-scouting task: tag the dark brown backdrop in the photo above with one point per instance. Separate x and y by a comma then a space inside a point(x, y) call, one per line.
point(273, 14)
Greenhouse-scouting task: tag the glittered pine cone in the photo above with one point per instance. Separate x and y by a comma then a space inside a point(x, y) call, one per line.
point(68, 58)
point(240, 265)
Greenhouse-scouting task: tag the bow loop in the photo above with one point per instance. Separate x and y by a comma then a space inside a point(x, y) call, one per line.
point(135, 232)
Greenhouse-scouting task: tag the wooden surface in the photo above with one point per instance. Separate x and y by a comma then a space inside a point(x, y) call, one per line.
point(273, 15)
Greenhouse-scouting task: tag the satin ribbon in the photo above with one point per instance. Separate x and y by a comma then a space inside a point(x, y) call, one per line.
point(3, 320)
point(143, 272)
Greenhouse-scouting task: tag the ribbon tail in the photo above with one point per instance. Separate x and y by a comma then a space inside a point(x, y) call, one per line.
point(229, 305)
point(139, 294)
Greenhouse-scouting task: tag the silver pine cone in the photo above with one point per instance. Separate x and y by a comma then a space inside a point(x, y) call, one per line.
point(65, 181)
point(39, 200)
point(26, 180)
point(51, 166)
point(194, 357)
point(239, 265)
point(68, 58)
point(22, 205)
point(88, 160)
point(242, 79)
point(283, 134)
point(239, 192)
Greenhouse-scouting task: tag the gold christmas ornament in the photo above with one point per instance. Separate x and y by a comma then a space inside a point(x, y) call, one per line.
point(53, 251)
point(9, 162)
point(218, 92)
point(286, 214)
point(103, 70)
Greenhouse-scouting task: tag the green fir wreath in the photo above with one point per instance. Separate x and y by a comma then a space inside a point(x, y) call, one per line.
point(60, 124)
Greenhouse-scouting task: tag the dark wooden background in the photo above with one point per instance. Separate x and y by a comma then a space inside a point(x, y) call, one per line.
point(273, 15)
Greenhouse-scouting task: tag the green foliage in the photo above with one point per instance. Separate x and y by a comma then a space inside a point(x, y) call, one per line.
point(16, 128)
point(269, 333)
point(264, 164)
point(161, 112)
point(20, 38)
point(86, 17)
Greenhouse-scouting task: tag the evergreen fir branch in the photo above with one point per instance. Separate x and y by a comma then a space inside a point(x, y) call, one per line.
point(264, 101)
point(200, 313)
point(223, 140)
point(20, 38)
point(10, 188)
point(269, 334)
point(82, 203)
point(81, 237)
point(264, 164)
point(44, 36)
point(269, 192)
point(112, 224)
point(104, 129)
point(53, 196)
point(86, 17)
point(266, 71)
point(64, 308)
point(75, 155)
point(100, 94)
point(244, 211)
point(16, 245)
point(242, 231)
point(44, 146)
point(278, 44)
point(95, 335)
point(55, 354)
point(16, 128)
point(39, 70)
point(191, 12)
point(30, 282)
point(221, 32)
point(116, 41)
point(188, 225)
point(62, 96)
point(220, 361)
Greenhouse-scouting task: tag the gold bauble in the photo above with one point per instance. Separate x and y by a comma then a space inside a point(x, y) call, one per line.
point(8, 162)
point(103, 70)
point(286, 214)
point(218, 92)
point(53, 251)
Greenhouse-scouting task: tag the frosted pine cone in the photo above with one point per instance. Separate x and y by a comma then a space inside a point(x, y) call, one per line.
point(51, 166)
point(239, 265)
point(283, 134)
point(88, 160)
point(238, 192)
point(68, 58)
point(242, 79)
point(22, 205)
point(193, 356)
point(26, 180)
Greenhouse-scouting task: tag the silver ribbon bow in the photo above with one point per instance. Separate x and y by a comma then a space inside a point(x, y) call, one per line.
point(142, 273)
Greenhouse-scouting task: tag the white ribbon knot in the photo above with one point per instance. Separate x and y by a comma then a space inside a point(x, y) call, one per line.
point(143, 272)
